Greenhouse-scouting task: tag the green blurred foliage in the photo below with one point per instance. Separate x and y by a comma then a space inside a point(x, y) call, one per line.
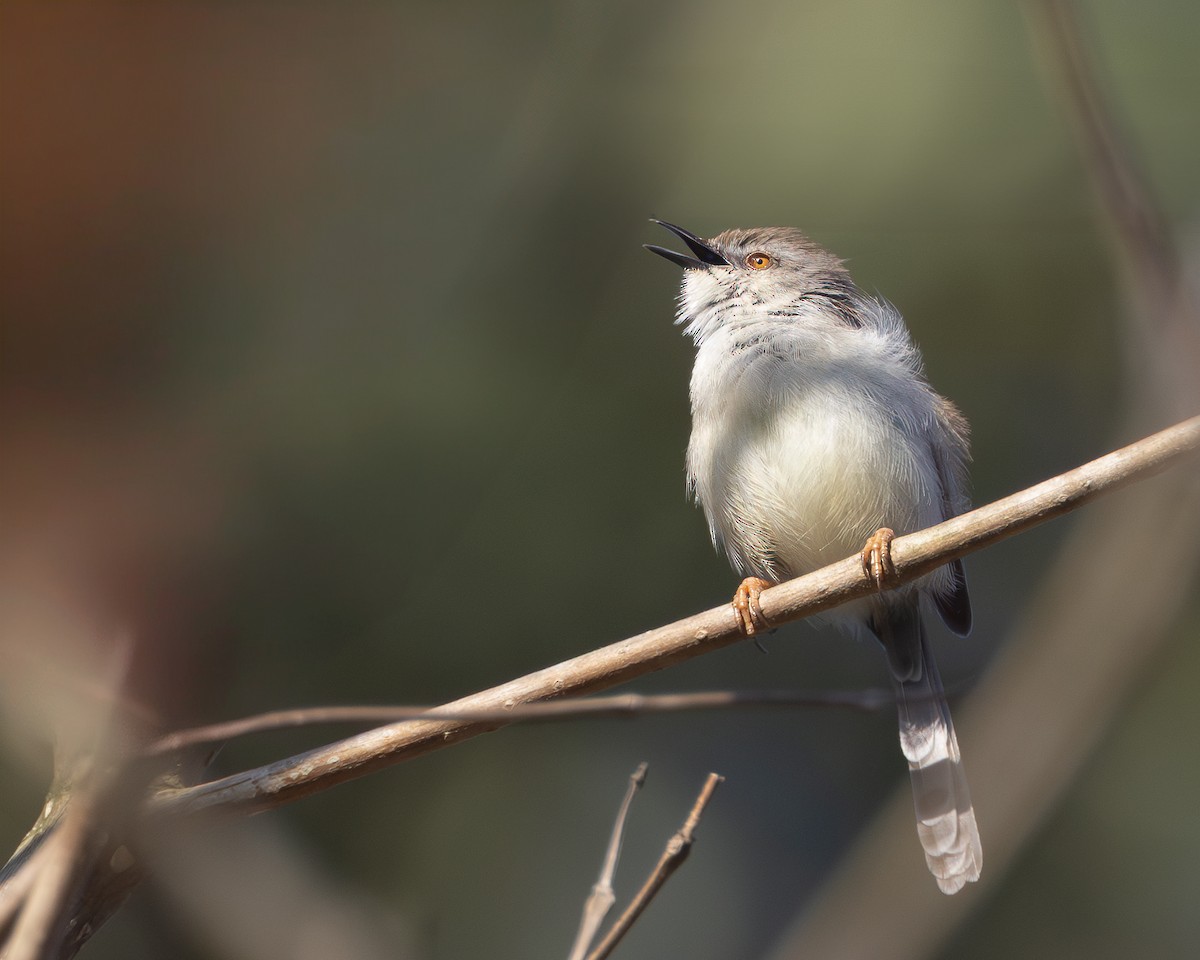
point(378, 267)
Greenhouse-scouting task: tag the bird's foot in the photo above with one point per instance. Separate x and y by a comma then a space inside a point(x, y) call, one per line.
point(745, 605)
point(877, 557)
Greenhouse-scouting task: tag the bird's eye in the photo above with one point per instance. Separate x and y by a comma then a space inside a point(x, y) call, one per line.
point(758, 261)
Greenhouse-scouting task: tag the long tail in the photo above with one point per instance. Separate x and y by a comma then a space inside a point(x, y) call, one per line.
point(945, 817)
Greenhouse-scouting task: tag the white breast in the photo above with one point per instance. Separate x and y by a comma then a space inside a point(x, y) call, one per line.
point(806, 442)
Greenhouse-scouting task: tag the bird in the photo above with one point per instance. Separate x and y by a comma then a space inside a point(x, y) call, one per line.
point(816, 436)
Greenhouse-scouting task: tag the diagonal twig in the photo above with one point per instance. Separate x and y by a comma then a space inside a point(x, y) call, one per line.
point(673, 855)
point(1138, 224)
point(602, 897)
point(1162, 329)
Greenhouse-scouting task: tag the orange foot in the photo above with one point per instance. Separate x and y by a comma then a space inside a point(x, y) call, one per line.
point(745, 605)
point(877, 557)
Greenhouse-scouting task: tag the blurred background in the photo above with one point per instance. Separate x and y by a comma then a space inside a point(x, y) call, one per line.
point(334, 368)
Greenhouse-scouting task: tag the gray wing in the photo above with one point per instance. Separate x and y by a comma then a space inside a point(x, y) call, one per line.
point(950, 458)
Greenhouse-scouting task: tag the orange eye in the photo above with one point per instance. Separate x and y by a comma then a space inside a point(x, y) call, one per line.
point(758, 261)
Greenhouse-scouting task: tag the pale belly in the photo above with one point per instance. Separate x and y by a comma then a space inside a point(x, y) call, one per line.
point(804, 486)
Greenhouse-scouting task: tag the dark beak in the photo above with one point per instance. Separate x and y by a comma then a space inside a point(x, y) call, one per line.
point(705, 257)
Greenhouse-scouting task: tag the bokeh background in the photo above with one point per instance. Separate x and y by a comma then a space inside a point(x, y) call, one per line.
point(334, 367)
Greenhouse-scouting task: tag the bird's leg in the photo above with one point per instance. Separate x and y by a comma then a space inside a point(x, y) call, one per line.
point(745, 605)
point(877, 557)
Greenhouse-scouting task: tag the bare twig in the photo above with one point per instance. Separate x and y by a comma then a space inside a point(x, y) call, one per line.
point(1163, 330)
point(315, 770)
point(602, 897)
point(673, 855)
point(616, 705)
point(1138, 224)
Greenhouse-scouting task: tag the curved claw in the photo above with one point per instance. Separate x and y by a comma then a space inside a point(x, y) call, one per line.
point(746, 605)
point(877, 557)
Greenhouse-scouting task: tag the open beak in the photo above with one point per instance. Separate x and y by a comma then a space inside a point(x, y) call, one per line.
point(705, 257)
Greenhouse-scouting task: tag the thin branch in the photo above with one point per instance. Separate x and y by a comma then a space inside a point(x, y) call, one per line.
point(1138, 224)
point(602, 897)
point(616, 705)
point(1163, 324)
point(916, 554)
point(673, 855)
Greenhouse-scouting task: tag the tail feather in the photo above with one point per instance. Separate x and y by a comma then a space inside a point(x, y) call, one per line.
point(945, 818)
